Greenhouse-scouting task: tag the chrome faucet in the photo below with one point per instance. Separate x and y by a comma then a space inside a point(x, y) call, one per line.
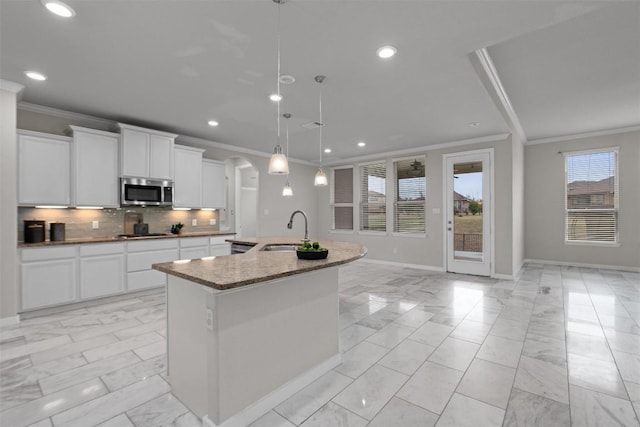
point(306, 224)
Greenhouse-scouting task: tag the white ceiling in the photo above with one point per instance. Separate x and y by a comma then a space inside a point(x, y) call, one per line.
point(173, 65)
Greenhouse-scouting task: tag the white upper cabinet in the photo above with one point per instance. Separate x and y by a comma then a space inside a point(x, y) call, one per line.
point(187, 184)
point(146, 153)
point(95, 166)
point(213, 185)
point(44, 172)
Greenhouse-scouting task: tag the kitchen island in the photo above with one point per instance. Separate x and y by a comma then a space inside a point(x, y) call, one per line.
point(246, 331)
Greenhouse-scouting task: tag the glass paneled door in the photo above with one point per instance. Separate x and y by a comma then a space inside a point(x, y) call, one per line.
point(468, 213)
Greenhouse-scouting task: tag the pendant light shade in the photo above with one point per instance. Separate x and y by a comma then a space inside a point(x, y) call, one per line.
point(287, 191)
point(321, 178)
point(278, 165)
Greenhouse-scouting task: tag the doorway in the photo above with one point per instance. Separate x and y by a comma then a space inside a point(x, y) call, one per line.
point(469, 209)
point(246, 199)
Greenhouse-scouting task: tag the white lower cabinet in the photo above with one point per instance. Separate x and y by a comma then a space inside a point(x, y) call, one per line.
point(53, 276)
point(48, 277)
point(142, 255)
point(101, 270)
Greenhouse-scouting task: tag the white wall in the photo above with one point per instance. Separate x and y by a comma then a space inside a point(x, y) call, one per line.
point(544, 203)
point(9, 292)
point(428, 252)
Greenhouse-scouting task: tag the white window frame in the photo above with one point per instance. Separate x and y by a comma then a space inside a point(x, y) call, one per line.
point(334, 205)
point(615, 209)
point(395, 201)
point(386, 202)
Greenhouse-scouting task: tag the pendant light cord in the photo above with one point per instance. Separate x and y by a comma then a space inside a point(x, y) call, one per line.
point(321, 124)
point(278, 73)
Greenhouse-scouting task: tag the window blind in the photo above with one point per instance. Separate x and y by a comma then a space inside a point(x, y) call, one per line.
point(373, 202)
point(411, 189)
point(592, 196)
point(342, 199)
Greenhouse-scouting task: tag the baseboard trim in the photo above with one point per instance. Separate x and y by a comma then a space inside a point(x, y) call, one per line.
point(8, 321)
point(402, 264)
point(582, 264)
point(271, 400)
point(503, 276)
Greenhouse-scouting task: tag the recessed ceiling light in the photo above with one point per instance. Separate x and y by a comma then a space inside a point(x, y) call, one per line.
point(213, 123)
point(361, 144)
point(59, 8)
point(327, 150)
point(35, 75)
point(386, 52)
point(275, 97)
point(474, 124)
point(287, 79)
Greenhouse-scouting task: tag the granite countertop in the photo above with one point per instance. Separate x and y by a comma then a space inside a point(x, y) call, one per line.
point(255, 265)
point(123, 239)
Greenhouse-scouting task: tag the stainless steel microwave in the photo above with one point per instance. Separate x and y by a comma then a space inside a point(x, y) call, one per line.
point(145, 192)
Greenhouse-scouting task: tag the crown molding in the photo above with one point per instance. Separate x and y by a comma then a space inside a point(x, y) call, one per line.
point(486, 70)
point(13, 87)
point(64, 114)
point(584, 135)
point(220, 145)
point(411, 151)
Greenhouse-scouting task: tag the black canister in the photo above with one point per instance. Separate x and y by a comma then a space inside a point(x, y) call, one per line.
point(33, 231)
point(56, 231)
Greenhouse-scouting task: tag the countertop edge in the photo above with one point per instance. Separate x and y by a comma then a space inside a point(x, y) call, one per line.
point(48, 243)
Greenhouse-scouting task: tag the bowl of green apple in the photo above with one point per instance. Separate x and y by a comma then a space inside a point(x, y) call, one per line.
point(311, 251)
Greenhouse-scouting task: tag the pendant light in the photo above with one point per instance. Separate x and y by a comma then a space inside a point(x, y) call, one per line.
point(278, 165)
point(321, 178)
point(287, 191)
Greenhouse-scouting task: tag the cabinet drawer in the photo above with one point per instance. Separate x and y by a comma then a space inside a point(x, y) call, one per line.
point(43, 254)
point(153, 245)
point(103, 249)
point(194, 253)
point(144, 260)
point(192, 242)
point(218, 240)
point(145, 279)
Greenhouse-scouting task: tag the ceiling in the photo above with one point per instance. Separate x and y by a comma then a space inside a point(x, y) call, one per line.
point(568, 66)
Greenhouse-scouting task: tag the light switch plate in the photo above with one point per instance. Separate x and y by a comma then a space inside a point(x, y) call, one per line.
point(95, 225)
point(212, 221)
point(194, 222)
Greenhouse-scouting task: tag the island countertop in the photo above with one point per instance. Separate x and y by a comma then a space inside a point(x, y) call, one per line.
point(256, 265)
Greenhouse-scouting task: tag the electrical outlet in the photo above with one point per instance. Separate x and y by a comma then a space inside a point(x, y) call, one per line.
point(194, 222)
point(209, 319)
point(212, 221)
point(95, 225)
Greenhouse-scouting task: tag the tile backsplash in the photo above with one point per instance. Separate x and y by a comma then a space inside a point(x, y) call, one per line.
point(78, 222)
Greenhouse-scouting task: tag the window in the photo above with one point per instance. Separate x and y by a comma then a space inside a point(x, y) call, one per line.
point(411, 189)
point(373, 199)
point(592, 196)
point(342, 199)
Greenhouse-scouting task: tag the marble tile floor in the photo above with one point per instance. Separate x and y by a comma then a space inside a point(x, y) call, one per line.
point(559, 346)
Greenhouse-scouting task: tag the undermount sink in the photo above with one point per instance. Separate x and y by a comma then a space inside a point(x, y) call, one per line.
point(280, 248)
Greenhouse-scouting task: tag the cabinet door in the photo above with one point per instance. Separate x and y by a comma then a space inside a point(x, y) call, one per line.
point(101, 276)
point(160, 157)
point(44, 170)
point(213, 185)
point(188, 178)
point(134, 153)
point(96, 166)
point(48, 283)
